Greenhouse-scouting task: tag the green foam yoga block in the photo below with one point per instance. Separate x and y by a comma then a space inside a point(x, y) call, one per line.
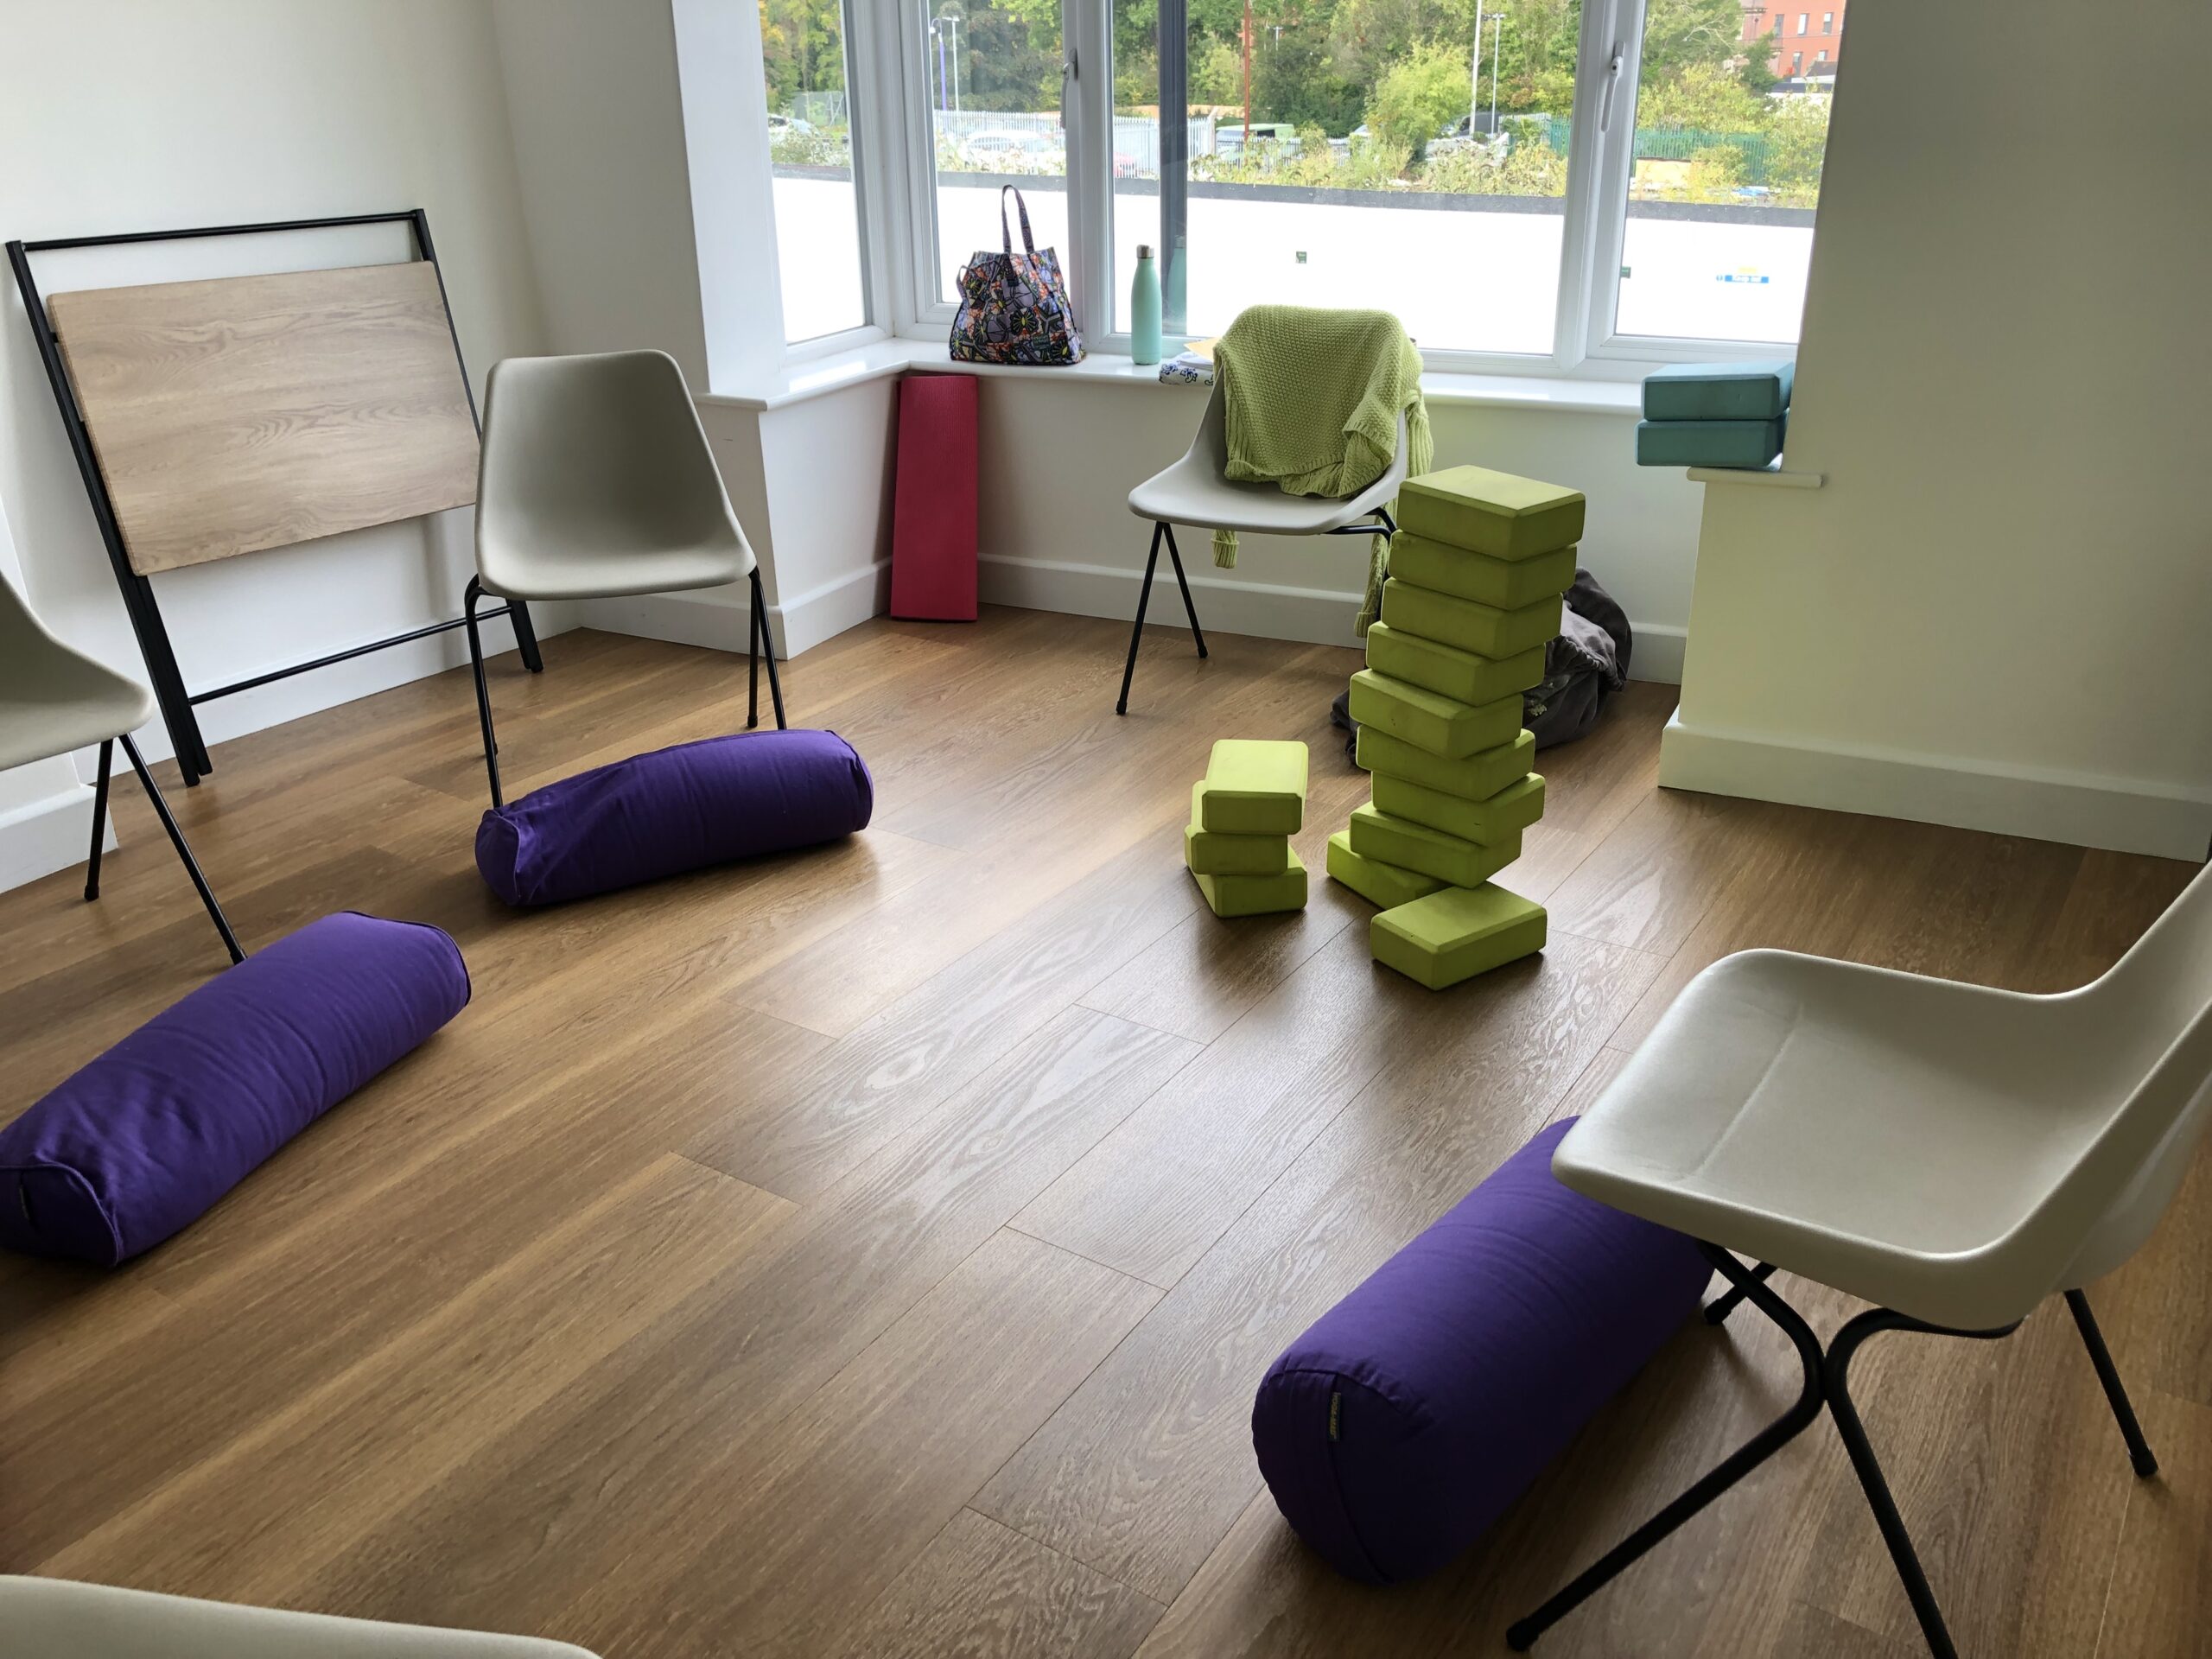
point(1415, 847)
point(1428, 721)
point(1496, 513)
point(1383, 885)
point(1255, 895)
point(1478, 778)
point(1255, 787)
point(1209, 853)
point(1507, 813)
point(1443, 568)
point(1742, 444)
point(1463, 675)
point(1718, 391)
point(1483, 629)
point(1457, 933)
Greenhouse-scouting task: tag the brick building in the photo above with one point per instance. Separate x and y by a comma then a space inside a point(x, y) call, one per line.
point(1801, 40)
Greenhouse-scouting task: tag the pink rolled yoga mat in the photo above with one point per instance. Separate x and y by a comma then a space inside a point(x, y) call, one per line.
point(933, 507)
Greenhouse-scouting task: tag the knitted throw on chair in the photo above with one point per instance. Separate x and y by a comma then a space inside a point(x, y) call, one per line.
point(1311, 399)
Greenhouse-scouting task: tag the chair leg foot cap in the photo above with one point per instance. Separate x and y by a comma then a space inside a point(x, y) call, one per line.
point(2146, 1465)
point(1520, 1636)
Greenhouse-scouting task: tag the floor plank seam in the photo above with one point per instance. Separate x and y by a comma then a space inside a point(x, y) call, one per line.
point(1055, 1244)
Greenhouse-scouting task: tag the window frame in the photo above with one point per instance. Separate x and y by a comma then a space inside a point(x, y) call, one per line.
point(1585, 342)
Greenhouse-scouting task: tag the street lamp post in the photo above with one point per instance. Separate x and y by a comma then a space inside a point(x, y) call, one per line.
point(1496, 38)
point(1475, 91)
point(952, 23)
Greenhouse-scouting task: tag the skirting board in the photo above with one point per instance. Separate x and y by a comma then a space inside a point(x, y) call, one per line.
point(48, 835)
point(2080, 810)
point(716, 618)
point(1264, 610)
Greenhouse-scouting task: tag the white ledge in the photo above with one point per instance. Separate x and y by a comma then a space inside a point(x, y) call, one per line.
point(1772, 477)
point(835, 371)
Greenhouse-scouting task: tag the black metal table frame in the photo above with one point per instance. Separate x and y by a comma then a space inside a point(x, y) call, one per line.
point(177, 703)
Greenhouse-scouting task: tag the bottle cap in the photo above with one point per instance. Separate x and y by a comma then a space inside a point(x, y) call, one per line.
point(1144, 250)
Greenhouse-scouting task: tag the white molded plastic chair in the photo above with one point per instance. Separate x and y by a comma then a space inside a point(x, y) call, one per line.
point(1952, 1153)
point(596, 481)
point(1196, 490)
point(53, 699)
point(49, 1619)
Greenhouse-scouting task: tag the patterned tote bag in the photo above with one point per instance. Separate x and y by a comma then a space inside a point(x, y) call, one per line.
point(1014, 307)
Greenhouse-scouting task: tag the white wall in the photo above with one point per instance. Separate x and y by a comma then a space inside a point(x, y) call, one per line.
point(121, 115)
point(1995, 612)
point(1058, 462)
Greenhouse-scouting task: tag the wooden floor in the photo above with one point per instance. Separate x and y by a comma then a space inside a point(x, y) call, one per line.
point(874, 1250)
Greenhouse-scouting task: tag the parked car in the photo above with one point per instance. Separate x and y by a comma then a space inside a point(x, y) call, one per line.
point(1274, 137)
point(1008, 151)
point(782, 126)
point(1466, 133)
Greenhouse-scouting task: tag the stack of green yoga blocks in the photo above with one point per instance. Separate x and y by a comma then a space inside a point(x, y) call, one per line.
point(1244, 813)
point(1477, 574)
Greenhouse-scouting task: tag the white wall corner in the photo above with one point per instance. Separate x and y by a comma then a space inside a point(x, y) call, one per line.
point(2119, 814)
point(46, 814)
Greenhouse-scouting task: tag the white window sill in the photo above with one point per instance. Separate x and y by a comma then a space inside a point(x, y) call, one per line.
point(1772, 477)
point(838, 371)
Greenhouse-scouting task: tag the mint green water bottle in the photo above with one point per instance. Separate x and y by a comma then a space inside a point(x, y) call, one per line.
point(1144, 310)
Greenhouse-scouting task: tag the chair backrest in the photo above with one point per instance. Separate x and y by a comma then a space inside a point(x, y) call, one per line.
point(599, 454)
point(61, 690)
point(2152, 1012)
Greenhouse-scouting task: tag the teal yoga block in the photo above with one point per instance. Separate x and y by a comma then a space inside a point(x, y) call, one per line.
point(1718, 391)
point(1742, 444)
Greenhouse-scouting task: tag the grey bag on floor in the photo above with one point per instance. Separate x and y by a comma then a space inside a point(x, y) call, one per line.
point(1583, 668)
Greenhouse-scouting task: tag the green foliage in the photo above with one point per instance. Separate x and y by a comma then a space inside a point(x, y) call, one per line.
point(1715, 171)
point(802, 48)
point(1703, 96)
point(812, 147)
point(1418, 96)
point(1797, 140)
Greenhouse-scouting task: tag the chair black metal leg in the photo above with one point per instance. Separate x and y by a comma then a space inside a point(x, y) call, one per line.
point(483, 691)
point(1856, 1329)
point(1523, 1633)
point(768, 648)
point(184, 852)
point(1190, 610)
point(753, 662)
point(2138, 1449)
point(1136, 628)
point(525, 636)
point(100, 822)
point(1722, 1305)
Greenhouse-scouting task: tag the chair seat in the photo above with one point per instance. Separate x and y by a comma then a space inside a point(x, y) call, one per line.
point(1190, 492)
point(1879, 1132)
point(580, 570)
point(75, 703)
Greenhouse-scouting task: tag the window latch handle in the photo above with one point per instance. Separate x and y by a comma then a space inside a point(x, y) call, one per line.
point(1612, 81)
point(1067, 65)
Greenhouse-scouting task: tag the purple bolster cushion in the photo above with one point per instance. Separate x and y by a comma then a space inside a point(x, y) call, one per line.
point(1398, 1427)
point(135, 1145)
point(674, 810)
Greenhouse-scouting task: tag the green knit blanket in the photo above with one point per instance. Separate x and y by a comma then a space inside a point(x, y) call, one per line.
point(1311, 399)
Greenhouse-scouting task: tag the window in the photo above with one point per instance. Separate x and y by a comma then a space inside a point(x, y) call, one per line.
point(811, 152)
point(1418, 166)
point(1820, 56)
point(994, 82)
point(1573, 181)
point(1802, 19)
point(1828, 24)
point(1719, 233)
